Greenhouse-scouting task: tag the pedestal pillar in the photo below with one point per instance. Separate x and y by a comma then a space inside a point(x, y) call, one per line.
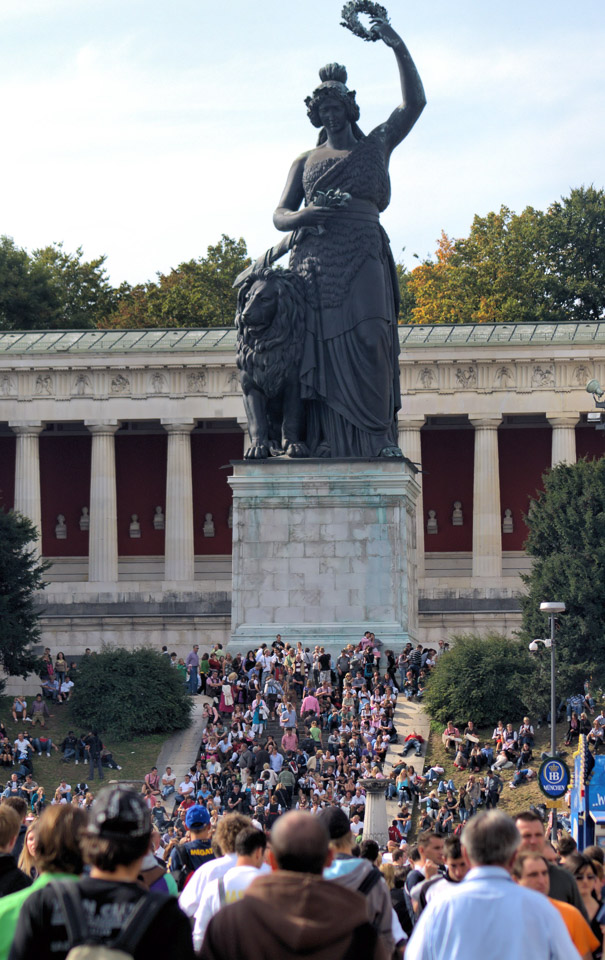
point(179, 554)
point(563, 437)
point(243, 423)
point(103, 530)
point(27, 473)
point(487, 535)
point(408, 429)
point(375, 823)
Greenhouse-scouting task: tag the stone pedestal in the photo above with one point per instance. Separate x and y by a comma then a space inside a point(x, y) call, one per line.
point(375, 824)
point(324, 550)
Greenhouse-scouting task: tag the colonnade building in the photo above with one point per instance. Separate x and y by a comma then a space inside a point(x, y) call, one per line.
point(117, 445)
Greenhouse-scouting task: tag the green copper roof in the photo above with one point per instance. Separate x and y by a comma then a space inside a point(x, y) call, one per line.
point(214, 339)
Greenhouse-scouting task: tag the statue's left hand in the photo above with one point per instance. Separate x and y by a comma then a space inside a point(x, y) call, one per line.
point(385, 31)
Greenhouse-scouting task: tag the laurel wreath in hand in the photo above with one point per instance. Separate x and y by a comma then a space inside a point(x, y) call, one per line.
point(350, 17)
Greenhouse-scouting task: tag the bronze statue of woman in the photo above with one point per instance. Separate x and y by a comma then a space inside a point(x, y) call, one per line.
point(350, 369)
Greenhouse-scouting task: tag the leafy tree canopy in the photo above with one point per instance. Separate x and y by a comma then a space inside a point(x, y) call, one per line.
point(196, 293)
point(518, 267)
point(21, 575)
point(51, 288)
point(485, 679)
point(126, 693)
point(567, 540)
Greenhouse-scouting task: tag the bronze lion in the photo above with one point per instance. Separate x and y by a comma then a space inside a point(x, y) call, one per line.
point(270, 331)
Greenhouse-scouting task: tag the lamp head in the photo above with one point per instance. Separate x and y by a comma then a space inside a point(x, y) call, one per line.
point(594, 387)
point(552, 606)
point(533, 646)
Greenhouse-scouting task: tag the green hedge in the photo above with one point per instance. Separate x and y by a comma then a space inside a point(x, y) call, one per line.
point(126, 693)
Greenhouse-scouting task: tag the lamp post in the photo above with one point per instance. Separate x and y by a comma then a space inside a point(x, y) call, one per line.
point(552, 608)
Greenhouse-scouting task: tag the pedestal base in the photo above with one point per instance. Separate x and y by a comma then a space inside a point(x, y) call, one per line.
point(323, 550)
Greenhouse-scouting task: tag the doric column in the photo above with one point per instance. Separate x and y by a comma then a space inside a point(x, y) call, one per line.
point(179, 556)
point(487, 537)
point(27, 473)
point(563, 437)
point(103, 529)
point(408, 429)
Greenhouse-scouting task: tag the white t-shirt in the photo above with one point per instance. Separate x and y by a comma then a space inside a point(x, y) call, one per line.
point(191, 896)
point(186, 787)
point(356, 827)
point(236, 881)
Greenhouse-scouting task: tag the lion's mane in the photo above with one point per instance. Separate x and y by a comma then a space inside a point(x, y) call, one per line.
point(268, 356)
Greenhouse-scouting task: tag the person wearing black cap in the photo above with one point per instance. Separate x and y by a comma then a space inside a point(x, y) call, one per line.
point(109, 907)
point(357, 873)
point(187, 857)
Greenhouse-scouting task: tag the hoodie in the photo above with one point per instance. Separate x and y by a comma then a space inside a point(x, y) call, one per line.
point(350, 872)
point(290, 915)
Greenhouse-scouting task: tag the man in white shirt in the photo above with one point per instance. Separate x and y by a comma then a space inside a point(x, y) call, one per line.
point(226, 834)
point(487, 907)
point(168, 782)
point(250, 847)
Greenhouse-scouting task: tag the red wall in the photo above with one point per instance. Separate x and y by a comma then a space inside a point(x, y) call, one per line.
point(141, 487)
point(7, 472)
point(64, 488)
point(525, 454)
point(447, 464)
point(590, 443)
point(211, 492)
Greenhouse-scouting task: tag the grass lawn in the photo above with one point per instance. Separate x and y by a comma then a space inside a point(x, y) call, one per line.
point(511, 801)
point(136, 758)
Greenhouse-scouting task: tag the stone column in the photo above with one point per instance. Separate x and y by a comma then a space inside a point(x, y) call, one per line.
point(487, 528)
point(375, 823)
point(27, 473)
point(563, 437)
point(243, 423)
point(179, 555)
point(103, 530)
point(408, 430)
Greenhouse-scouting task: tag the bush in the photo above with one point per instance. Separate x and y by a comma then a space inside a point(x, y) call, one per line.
point(486, 679)
point(123, 694)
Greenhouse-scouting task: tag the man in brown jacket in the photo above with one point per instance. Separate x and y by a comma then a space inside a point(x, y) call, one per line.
point(293, 912)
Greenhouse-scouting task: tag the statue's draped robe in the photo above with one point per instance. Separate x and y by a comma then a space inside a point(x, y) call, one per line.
point(350, 368)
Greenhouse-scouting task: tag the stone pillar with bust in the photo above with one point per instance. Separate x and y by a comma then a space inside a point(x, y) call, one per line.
point(563, 437)
point(487, 530)
point(408, 430)
point(178, 524)
point(103, 525)
point(27, 473)
point(375, 822)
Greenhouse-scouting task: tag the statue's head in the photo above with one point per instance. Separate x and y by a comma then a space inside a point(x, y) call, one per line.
point(333, 86)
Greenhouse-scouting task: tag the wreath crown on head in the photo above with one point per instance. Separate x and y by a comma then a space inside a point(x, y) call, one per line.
point(350, 17)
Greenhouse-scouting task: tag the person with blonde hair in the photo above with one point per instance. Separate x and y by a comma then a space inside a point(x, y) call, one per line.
point(225, 836)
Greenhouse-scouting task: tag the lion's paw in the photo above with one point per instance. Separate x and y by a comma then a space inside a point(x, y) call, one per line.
point(258, 451)
point(297, 450)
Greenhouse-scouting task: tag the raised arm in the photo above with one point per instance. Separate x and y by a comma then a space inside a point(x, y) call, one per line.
point(413, 101)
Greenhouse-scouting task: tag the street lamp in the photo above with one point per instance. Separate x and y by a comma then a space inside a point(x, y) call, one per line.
point(552, 608)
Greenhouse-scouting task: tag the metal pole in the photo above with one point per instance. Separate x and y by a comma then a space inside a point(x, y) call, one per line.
point(553, 714)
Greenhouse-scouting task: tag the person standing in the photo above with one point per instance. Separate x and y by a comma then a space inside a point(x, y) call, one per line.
point(94, 747)
point(488, 908)
point(192, 664)
point(293, 912)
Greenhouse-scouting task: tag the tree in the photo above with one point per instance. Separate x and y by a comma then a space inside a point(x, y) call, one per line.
point(532, 266)
point(567, 541)
point(81, 290)
point(196, 293)
point(27, 298)
point(21, 575)
point(484, 678)
point(51, 289)
point(126, 693)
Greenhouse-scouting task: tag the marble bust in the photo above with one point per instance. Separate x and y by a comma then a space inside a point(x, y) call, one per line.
point(457, 518)
point(84, 519)
point(507, 521)
point(208, 525)
point(60, 528)
point(134, 531)
point(158, 519)
point(431, 523)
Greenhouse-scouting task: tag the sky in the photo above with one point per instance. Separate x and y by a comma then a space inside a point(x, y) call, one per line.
point(143, 130)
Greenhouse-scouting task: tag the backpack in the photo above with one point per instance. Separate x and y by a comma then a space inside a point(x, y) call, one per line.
point(183, 874)
point(81, 947)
